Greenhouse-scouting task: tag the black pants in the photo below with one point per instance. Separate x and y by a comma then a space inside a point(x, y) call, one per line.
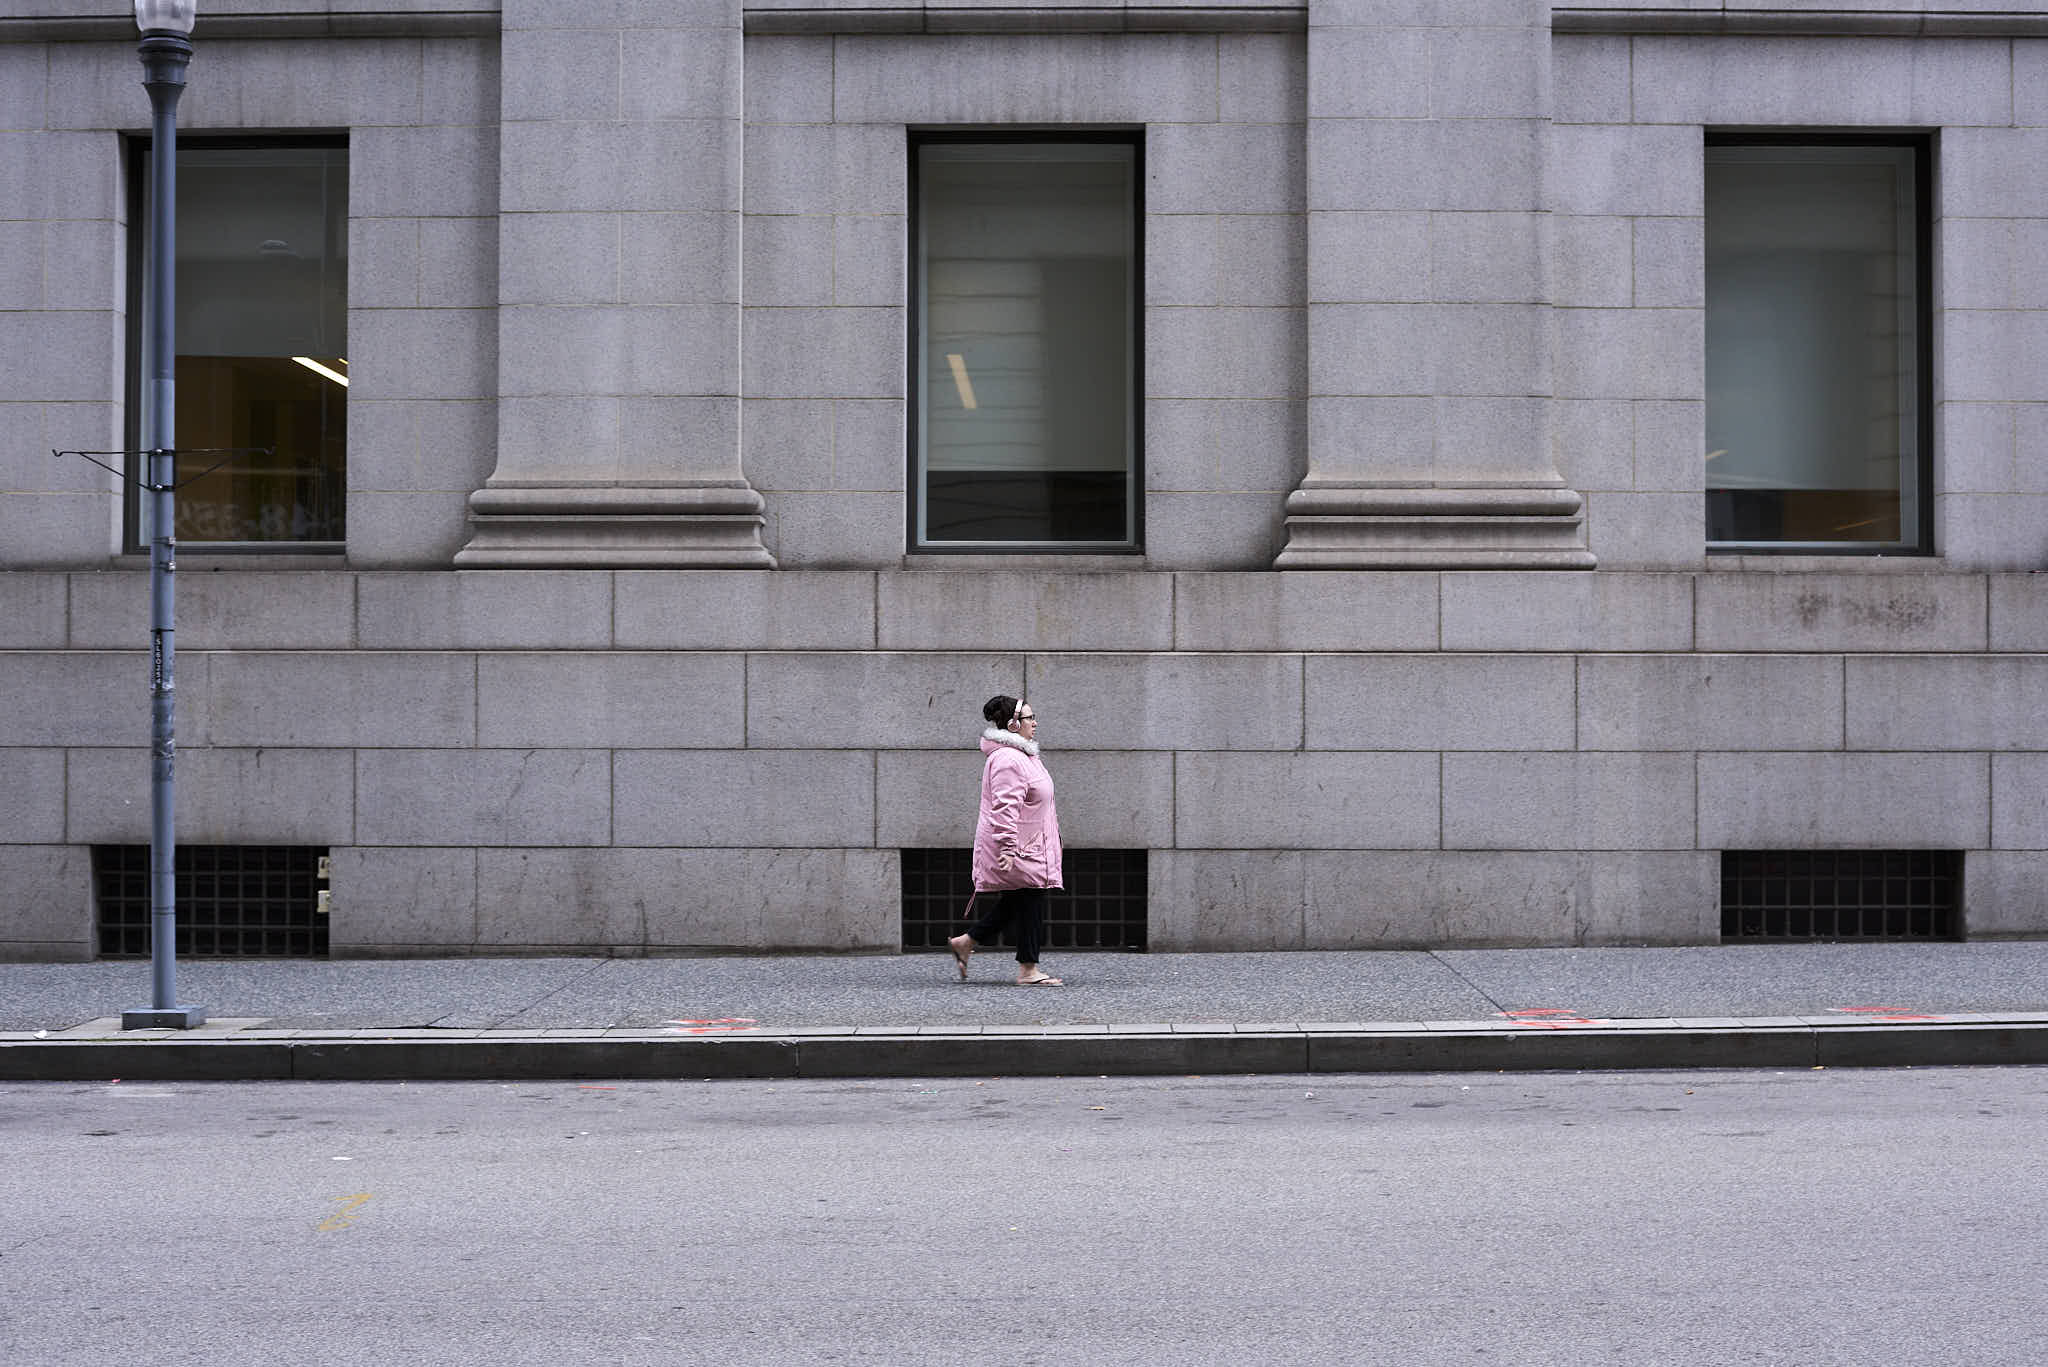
point(1023, 908)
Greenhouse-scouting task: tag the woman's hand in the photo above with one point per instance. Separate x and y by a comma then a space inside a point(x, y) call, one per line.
point(1003, 861)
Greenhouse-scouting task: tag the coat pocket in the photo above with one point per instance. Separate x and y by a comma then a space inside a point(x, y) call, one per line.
point(1031, 864)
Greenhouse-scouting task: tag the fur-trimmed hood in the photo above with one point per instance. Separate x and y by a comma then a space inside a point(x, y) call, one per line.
point(1011, 739)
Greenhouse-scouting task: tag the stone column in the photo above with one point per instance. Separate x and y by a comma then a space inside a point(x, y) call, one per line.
point(1429, 297)
point(619, 293)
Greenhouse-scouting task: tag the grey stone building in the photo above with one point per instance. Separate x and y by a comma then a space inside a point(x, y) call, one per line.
point(1446, 471)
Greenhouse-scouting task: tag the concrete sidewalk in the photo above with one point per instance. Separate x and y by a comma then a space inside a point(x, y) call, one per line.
point(908, 1015)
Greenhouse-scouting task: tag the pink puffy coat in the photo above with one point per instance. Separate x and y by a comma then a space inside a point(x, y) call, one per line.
point(1017, 817)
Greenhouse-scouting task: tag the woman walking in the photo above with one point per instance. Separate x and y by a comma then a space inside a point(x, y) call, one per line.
point(1016, 841)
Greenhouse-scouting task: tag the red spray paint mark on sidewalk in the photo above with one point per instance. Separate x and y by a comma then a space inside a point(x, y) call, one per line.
point(1548, 1017)
point(720, 1025)
point(1887, 1013)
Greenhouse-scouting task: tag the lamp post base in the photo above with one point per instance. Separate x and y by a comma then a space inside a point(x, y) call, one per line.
point(163, 1018)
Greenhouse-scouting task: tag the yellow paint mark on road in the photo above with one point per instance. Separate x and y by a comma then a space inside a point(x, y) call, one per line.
point(343, 1218)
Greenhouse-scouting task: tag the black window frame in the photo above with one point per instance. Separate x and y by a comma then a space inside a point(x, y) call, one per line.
point(1925, 146)
point(140, 147)
point(918, 138)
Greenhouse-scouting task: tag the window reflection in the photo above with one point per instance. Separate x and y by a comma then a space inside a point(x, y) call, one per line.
point(1813, 347)
point(262, 302)
point(1026, 367)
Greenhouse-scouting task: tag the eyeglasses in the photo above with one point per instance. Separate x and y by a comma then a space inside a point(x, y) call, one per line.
point(1023, 717)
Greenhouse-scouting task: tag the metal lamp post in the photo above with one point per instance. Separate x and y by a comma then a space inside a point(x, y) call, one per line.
point(166, 50)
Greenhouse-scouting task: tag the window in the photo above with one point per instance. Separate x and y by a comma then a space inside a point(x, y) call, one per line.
point(262, 318)
point(1818, 398)
point(1024, 345)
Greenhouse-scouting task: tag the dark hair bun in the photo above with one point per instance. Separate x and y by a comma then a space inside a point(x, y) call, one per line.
point(999, 709)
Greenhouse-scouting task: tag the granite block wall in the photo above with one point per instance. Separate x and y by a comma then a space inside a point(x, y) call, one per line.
point(1417, 232)
point(1445, 759)
point(827, 162)
point(1629, 266)
point(465, 276)
point(420, 115)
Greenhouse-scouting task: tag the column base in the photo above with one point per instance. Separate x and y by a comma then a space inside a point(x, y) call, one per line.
point(1350, 527)
point(708, 526)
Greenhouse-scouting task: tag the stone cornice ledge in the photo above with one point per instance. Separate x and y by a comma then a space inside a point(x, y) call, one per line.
point(1105, 18)
point(377, 19)
point(1804, 23)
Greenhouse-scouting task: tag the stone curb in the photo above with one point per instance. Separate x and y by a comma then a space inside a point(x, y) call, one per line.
point(371, 1056)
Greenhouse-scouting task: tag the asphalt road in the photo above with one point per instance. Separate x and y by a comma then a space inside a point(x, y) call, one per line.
point(1806, 1219)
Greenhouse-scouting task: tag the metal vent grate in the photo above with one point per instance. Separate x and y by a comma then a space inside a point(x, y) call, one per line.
point(1103, 906)
point(234, 901)
point(1841, 894)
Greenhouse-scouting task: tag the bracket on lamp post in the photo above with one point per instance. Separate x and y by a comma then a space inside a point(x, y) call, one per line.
point(226, 454)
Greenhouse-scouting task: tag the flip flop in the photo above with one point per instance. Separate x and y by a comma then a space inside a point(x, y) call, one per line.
point(960, 957)
point(1042, 980)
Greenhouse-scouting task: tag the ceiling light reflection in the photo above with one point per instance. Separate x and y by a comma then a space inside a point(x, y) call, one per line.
point(309, 363)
